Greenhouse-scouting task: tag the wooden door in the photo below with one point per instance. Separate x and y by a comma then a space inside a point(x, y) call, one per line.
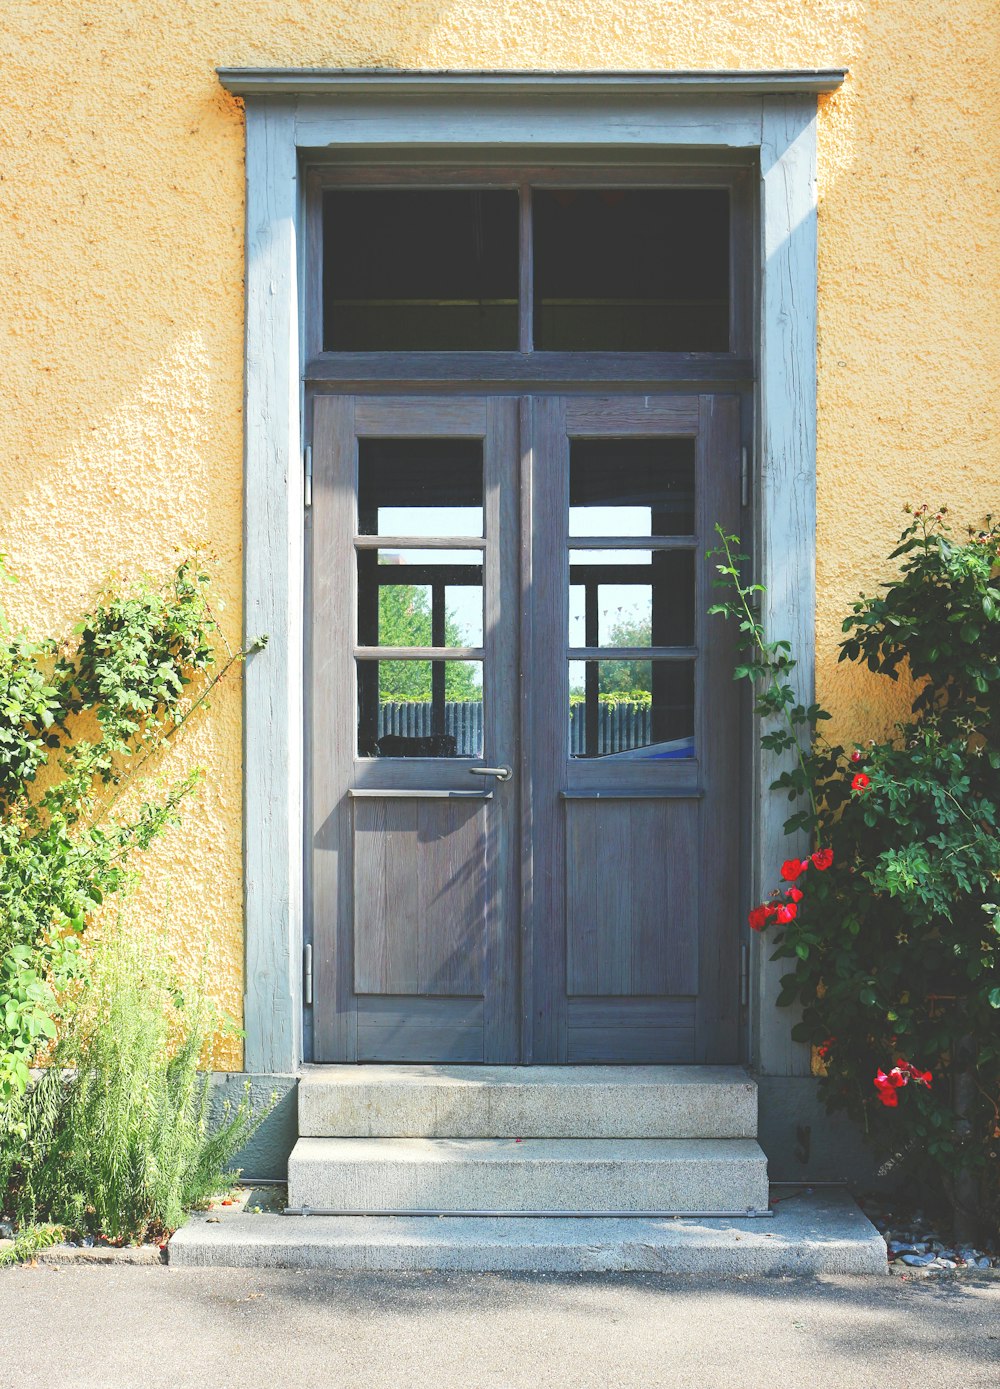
point(585, 907)
point(414, 693)
point(632, 774)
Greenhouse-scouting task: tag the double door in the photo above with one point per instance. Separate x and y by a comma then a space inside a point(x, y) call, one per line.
point(524, 751)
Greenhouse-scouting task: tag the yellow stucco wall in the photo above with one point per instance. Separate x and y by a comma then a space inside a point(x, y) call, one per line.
point(121, 211)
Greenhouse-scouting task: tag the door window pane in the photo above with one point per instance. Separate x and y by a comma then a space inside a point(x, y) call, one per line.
point(636, 709)
point(420, 709)
point(631, 487)
point(419, 270)
point(425, 487)
point(631, 270)
point(420, 598)
point(631, 598)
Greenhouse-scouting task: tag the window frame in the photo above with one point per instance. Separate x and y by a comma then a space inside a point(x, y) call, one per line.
point(523, 173)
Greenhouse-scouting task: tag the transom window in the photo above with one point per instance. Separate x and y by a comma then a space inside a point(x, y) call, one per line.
point(527, 268)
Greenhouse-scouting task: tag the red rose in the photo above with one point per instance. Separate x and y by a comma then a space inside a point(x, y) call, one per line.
point(758, 918)
point(786, 913)
point(794, 894)
point(860, 782)
point(856, 756)
point(823, 1051)
point(889, 1098)
point(822, 859)
point(793, 868)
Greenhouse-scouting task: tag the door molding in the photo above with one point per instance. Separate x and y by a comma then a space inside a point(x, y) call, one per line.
point(296, 116)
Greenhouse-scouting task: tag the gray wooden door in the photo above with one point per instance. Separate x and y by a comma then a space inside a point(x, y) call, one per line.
point(414, 571)
point(635, 828)
point(523, 588)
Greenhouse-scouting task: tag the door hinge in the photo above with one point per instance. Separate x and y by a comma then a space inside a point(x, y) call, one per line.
point(307, 973)
point(744, 476)
point(307, 482)
point(744, 976)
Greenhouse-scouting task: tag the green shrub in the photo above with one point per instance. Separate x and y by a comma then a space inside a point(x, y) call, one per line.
point(115, 1137)
point(79, 718)
point(891, 924)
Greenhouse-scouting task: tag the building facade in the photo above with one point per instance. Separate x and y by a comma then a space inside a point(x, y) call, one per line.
point(527, 298)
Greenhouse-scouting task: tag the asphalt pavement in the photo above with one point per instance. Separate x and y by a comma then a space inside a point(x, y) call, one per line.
point(118, 1327)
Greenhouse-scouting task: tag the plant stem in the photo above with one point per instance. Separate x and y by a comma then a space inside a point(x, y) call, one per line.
point(765, 660)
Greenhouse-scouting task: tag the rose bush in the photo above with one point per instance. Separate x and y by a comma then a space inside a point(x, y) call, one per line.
point(892, 924)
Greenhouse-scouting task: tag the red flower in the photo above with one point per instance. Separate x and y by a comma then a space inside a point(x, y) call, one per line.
point(794, 894)
point(887, 1085)
point(758, 918)
point(822, 859)
point(793, 868)
point(786, 913)
point(823, 1051)
point(856, 755)
point(914, 1073)
point(860, 782)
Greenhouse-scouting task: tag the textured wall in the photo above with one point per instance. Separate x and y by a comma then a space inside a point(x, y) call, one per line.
point(121, 210)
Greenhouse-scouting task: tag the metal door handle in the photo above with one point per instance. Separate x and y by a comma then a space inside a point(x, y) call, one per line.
point(501, 773)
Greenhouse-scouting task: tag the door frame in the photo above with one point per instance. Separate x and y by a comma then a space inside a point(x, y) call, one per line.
point(295, 117)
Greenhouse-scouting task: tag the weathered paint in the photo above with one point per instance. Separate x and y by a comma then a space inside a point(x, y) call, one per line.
point(121, 257)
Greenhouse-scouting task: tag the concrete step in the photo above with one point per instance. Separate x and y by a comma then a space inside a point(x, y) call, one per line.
point(527, 1102)
point(367, 1175)
point(824, 1233)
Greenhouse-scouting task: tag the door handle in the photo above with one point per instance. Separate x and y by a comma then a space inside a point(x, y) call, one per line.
point(501, 773)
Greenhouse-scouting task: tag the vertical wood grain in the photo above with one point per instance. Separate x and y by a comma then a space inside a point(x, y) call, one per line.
point(787, 514)
point(333, 584)
point(664, 861)
point(273, 598)
point(549, 683)
point(448, 856)
point(718, 732)
point(501, 638)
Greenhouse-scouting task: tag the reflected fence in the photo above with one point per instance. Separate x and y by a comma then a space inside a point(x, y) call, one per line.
point(620, 727)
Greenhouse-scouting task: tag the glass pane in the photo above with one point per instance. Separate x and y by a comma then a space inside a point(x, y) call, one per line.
point(631, 598)
point(420, 708)
point(636, 709)
point(420, 487)
point(420, 598)
point(631, 487)
point(631, 270)
point(418, 269)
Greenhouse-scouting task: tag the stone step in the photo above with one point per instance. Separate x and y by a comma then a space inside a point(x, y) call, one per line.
point(822, 1233)
point(368, 1175)
point(527, 1102)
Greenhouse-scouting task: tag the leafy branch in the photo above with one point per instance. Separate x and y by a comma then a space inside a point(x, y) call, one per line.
point(768, 665)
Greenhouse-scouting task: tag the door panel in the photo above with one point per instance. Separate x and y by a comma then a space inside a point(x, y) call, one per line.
point(631, 909)
point(419, 897)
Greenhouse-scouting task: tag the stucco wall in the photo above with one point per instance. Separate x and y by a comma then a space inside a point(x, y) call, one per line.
point(121, 208)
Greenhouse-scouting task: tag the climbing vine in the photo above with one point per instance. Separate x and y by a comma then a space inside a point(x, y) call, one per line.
point(80, 717)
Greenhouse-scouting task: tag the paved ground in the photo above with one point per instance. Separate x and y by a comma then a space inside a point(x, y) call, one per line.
point(88, 1328)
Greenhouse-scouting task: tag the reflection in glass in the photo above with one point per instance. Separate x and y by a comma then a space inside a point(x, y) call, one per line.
point(637, 709)
point(631, 487)
point(425, 487)
point(420, 709)
point(420, 269)
point(631, 598)
point(631, 270)
point(420, 598)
